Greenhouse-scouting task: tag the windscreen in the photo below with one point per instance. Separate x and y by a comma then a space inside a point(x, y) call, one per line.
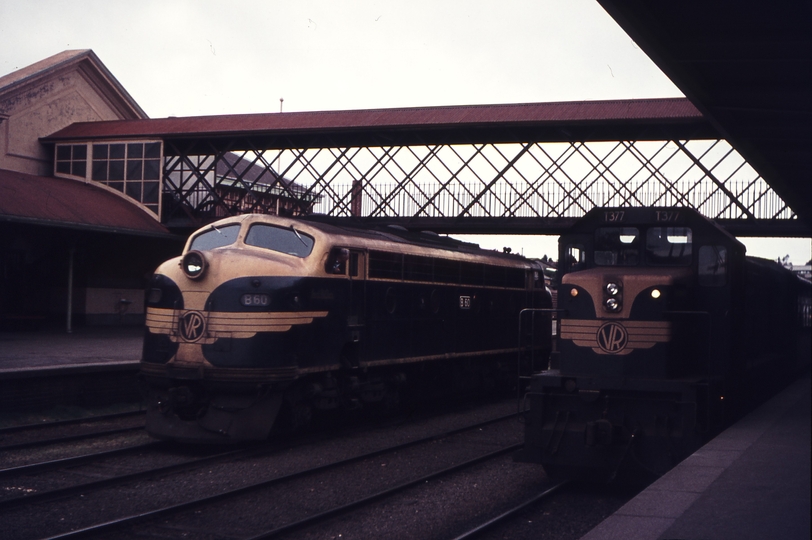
point(284, 240)
point(215, 237)
point(669, 246)
point(617, 246)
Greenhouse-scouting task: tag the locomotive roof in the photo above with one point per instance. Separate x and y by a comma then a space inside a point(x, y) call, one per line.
point(393, 234)
point(400, 235)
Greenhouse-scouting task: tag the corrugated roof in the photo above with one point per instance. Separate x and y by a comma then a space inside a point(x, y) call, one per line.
point(61, 202)
point(528, 114)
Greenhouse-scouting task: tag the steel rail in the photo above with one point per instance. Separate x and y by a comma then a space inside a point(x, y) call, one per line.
point(129, 477)
point(75, 460)
point(70, 421)
point(69, 438)
point(311, 520)
point(501, 518)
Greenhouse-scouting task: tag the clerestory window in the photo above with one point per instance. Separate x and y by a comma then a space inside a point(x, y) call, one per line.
point(71, 159)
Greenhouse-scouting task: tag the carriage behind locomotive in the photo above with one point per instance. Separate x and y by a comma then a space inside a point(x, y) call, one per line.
point(667, 331)
point(264, 314)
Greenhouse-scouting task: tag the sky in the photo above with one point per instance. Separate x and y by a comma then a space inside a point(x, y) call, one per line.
point(207, 57)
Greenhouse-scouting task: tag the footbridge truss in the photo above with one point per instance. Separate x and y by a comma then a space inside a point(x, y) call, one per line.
point(528, 187)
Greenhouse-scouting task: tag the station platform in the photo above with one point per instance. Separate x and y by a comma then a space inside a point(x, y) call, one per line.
point(88, 369)
point(750, 482)
point(34, 351)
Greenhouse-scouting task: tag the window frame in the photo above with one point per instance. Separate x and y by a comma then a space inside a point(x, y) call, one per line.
point(652, 259)
point(624, 254)
point(138, 173)
point(718, 278)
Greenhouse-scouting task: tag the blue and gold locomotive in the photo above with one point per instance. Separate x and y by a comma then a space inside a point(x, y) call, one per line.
point(265, 317)
point(667, 331)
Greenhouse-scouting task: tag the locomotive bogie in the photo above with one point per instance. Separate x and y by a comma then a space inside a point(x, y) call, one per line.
point(600, 429)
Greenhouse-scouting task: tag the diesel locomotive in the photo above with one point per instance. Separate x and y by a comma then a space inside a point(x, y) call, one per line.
point(667, 332)
point(266, 319)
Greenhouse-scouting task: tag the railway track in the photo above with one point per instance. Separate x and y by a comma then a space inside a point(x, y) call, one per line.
point(141, 519)
point(69, 422)
point(68, 438)
point(338, 510)
point(511, 513)
point(41, 466)
point(436, 479)
point(31, 436)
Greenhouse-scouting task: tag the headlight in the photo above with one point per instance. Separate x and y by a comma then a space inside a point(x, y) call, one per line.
point(655, 293)
point(193, 264)
point(612, 304)
point(612, 288)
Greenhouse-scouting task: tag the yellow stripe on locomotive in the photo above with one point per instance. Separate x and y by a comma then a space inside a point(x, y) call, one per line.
point(192, 326)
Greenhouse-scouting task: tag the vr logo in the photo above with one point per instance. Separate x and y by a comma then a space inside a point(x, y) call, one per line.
point(612, 337)
point(192, 326)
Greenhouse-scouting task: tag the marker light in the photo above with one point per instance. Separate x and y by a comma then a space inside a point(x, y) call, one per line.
point(573, 292)
point(655, 293)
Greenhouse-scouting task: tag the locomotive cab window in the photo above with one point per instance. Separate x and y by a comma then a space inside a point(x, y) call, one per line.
point(617, 246)
point(574, 258)
point(669, 246)
point(286, 240)
point(337, 261)
point(215, 237)
point(713, 266)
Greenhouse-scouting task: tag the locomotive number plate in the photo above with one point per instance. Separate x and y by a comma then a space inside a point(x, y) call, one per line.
point(465, 302)
point(667, 215)
point(614, 217)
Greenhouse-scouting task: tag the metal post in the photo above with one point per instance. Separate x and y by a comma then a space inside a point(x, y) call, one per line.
point(279, 163)
point(71, 253)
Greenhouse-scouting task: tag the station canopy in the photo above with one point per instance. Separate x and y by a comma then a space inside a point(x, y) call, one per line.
point(747, 66)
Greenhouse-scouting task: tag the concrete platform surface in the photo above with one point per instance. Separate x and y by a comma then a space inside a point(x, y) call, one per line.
point(35, 350)
point(750, 482)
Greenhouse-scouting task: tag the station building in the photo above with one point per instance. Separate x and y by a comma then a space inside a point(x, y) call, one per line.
point(81, 225)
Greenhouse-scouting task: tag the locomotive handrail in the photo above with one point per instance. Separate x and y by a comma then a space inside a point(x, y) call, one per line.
point(533, 311)
point(519, 377)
